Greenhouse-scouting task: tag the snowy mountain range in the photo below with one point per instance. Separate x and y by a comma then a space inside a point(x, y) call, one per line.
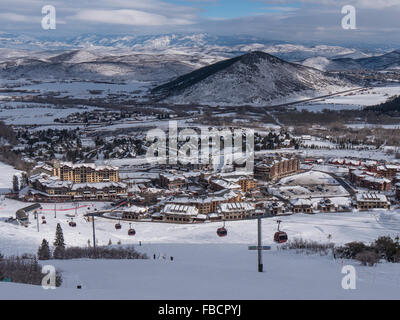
point(388, 61)
point(109, 63)
point(255, 78)
point(225, 46)
point(153, 57)
point(195, 68)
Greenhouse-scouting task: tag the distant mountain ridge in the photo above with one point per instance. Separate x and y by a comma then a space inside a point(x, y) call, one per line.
point(225, 46)
point(160, 58)
point(387, 61)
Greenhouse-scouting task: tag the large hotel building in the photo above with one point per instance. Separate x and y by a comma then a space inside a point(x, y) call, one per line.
point(85, 172)
point(272, 168)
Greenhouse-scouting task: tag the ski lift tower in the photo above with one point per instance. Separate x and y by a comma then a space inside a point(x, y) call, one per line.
point(259, 249)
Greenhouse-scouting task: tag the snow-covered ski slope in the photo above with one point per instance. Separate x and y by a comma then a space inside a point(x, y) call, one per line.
point(215, 272)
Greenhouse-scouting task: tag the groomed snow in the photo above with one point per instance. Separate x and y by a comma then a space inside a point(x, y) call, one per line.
point(371, 97)
point(6, 176)
point(213, 272)
point(35, 114)
point(309, 178)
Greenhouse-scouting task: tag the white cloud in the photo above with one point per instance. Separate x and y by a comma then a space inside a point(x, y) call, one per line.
point(128, 17)
point(307, 20)
point(14, 17)
point(365, 4)
point(377, 4)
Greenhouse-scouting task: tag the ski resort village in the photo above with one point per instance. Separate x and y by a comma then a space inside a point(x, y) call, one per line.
point(181, 217)
point(281, 184)
point(197, 167)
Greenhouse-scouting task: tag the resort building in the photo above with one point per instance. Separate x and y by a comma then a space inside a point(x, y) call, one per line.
point(302, 206)
point(275, 208)
point(85, 172)
point(367, 201)
point(236, 210)
point(172, 181)
point(46, 188)
point(369, 180)
point(134, 213)
point(274, 168)
point(179, 213)
point(209, 204)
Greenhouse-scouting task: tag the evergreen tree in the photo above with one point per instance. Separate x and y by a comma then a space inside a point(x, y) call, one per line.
point(24, 180)
point(15, 183)
point(59, 244)
point(59, 253)
point(44, 251)
point(59, 240)
point(34, 265)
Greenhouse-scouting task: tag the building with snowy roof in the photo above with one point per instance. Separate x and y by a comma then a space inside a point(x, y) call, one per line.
point(236, 210)
point(302, 206)
point(23, 213)
point(179, 213)
point(208, 204)
point(221, 184)
point(367, 201)
point(369, 180)
point(51, 189)
point(172, 181)
point(134, 212)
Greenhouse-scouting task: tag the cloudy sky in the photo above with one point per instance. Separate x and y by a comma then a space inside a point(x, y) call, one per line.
point(300, 20)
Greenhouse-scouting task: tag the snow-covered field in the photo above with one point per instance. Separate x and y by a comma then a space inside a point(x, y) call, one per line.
point(310, 177)
point(6, 175)
point(34, 113)
point(371, 97)
point(372, 125)
point(81, 89)
point(213, 272)
point(353, 101)
point(318, 107)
